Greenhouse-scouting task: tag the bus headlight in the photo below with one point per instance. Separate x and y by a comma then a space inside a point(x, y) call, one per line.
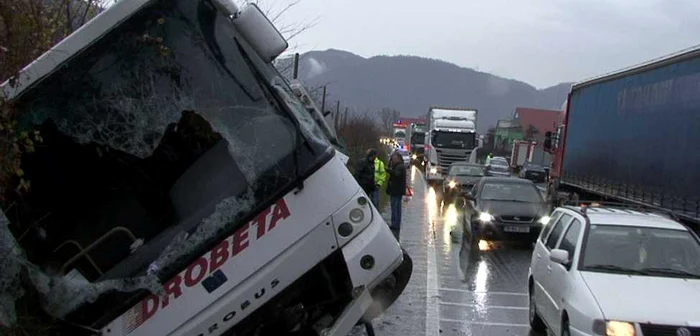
point(356, 215)
point(352, 218)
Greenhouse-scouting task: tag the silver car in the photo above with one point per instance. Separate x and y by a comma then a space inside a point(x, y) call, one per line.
point(497, 166)
point(615, 271)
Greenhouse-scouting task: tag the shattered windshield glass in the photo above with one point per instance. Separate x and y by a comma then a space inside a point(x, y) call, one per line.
point(160, 138)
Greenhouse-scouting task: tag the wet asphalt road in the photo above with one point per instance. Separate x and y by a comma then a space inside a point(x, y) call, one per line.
point(455, 289)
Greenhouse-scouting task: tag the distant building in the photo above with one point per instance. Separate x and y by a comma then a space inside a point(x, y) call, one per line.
point(407, 120)
point(527, 123)
point(534, 123)
point(507, 130)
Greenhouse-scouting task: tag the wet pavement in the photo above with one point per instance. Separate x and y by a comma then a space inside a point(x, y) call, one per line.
point(457, 288)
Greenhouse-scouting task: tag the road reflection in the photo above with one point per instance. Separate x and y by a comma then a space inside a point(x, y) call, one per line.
point(482, 284)
point(433, 211)
point(451, 229)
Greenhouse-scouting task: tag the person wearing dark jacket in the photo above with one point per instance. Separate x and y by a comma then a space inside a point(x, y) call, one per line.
point(364, 172)
point(396, 188)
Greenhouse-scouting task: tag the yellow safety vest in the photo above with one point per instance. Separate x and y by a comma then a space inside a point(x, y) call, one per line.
point(380, 174)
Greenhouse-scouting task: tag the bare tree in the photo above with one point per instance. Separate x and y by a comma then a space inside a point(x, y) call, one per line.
point(30, 27)
point(360, 131)
point(387, 118)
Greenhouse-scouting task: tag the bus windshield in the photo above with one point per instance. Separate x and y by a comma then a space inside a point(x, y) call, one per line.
point(170, 128)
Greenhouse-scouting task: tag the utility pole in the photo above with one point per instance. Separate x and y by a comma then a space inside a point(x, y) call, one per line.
point(296, 66)
point(323, 101)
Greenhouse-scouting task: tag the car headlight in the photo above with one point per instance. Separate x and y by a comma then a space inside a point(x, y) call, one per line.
point(415, 156)
point(544, 220)
point(485, 217)
point(613, 328)
point(433, 170)
point(452, 184)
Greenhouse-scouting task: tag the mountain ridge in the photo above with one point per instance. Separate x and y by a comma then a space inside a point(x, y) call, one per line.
point(411, 84)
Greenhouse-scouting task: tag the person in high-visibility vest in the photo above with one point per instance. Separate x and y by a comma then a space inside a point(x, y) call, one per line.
point(380, 176)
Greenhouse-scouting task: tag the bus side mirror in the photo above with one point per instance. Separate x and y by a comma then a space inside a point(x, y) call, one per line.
point(262, 35)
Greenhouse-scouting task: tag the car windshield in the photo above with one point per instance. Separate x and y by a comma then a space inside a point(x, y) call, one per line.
point(641, 250)
point(453, 140)
point(418, 138)
point(535, 167)
point(498, 162)
point(466, 171)
point(510, 191)
point(169, 128)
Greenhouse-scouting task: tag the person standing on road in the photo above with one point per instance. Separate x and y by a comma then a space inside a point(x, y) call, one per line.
point(380, 176)
point(364, 173)
point(396, 189)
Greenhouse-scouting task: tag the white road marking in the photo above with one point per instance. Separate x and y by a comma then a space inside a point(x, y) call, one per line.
point(432, 311)
point(487, 323)
point(432, 327)
point(481, 306)
point(480, 292)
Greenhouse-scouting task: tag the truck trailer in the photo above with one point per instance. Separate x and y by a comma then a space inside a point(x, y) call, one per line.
point(450, 138)
point(632, 136)
point(180, 187)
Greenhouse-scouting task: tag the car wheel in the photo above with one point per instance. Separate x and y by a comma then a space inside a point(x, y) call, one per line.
point(536, 322)
point(565, 328)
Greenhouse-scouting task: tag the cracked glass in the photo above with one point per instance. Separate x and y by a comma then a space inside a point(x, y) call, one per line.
point(160, 139)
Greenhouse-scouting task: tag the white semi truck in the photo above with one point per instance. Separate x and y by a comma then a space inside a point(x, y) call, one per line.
point(182, 188)
point(450, 138)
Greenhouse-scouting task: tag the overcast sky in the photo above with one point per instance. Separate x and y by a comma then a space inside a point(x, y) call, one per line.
point(541, 42)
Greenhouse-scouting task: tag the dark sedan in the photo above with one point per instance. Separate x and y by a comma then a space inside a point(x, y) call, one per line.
point(505, 209)
point(533, 172)
point(460, 179)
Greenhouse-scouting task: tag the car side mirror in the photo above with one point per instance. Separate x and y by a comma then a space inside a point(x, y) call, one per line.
point(560, 257)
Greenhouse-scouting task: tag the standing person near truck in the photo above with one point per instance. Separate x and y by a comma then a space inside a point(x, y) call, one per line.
point(396, 189)
point(364, 173)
